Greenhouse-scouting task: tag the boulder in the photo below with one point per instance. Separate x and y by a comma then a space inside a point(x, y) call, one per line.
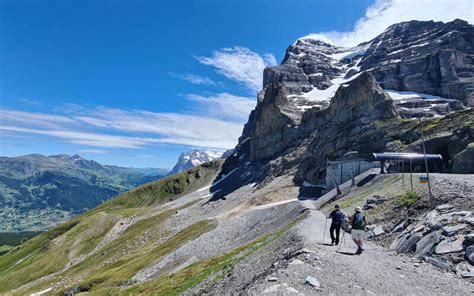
point(408, 244)
point(469, 220)
point(461, 214)
point(431, 216)
point(469, 254)
point(399, 227)
point(376, 199)
point(468, 239)
point(469, 273)
point(369, 206)
point(450, 246)
point(425, 246)
point(452, 230)
point(403, 236)
point(438, 262)
point(444, 208)
point(376, 231)
point(440, 221)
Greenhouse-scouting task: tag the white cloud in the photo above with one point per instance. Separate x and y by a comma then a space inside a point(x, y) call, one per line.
point(240, 64)
point(31, 102)
point(34, 119)
point(384, 13)
point(195, 79)
point(135, 128)
point(84, 138)
point(92, 151)
point(225, 106)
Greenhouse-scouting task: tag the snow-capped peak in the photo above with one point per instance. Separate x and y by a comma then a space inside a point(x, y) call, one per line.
point(194, 158)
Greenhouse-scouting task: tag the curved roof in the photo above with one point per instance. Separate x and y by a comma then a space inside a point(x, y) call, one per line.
point(405, 156)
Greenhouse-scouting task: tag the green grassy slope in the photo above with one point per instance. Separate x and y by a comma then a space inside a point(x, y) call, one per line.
point(53, 251)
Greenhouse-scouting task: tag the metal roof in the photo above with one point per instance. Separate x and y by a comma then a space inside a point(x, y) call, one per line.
point(405, 156)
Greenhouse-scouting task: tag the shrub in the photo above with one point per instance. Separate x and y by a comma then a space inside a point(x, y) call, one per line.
point(408, 200)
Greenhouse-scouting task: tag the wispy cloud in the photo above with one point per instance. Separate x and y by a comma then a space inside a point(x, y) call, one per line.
point(34, 119)
point(240, 64)
point(384, 13)
point(31, 102)
point(224, 106)
point(125, 128)
point(147, 156)
point(195, 79)
point(84, 138)
point(93, 151)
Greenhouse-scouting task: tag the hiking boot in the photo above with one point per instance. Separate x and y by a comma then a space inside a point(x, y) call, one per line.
point(359, 251)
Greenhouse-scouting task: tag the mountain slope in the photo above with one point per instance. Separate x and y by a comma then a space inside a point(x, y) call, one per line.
point(37, 192)
point(192, 159)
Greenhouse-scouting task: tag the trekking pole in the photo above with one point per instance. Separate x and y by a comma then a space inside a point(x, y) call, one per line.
point(325, 224)
point(342, 240)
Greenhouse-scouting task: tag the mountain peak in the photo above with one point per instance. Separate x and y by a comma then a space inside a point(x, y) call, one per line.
point(194, 158)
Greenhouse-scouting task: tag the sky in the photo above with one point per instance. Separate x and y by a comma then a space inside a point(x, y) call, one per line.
point(135, 83)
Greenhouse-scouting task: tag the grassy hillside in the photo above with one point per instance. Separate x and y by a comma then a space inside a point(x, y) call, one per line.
point(66, 251)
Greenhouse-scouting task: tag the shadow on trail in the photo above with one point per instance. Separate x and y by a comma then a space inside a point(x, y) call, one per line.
point(325, 244)
point(346, 253)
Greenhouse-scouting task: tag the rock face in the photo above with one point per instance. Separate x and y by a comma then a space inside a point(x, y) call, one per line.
point(324, 101)
point(463, 162)
point(443, 51)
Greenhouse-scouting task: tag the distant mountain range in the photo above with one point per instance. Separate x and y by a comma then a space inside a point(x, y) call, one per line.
point(194, 158)
point(37, 191)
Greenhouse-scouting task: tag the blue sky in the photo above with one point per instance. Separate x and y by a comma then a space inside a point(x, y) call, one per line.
point(135, 83)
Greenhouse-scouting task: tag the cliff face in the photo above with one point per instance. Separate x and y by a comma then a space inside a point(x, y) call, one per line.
point(324, 100)
point(427, 57)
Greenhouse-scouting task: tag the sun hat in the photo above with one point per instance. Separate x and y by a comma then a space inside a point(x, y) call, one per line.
point(358, 209)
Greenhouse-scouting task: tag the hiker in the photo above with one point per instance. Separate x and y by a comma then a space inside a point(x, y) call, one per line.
point(358, 223)
point(338, 218)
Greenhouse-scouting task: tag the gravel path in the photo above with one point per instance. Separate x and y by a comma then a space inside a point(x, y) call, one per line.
point(375, 272)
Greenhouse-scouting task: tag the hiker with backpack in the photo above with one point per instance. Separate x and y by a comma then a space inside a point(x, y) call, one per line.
point(338, 219)
point(358, 223)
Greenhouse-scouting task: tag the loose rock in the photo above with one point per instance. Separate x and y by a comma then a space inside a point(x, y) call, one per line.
point(312, 281)
point(440, 263)
point(468, 239)
point(444, 207)
point(408, 244)
point(452, 230)
point(426, 245)
point(470, 254)
point(450, 246)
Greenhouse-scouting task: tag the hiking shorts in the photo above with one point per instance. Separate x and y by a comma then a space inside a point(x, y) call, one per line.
point(357, 234)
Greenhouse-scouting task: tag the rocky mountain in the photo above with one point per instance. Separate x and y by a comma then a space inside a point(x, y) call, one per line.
point(246, 225)
point(37, 191)
point(194, 158)
point(325, 100)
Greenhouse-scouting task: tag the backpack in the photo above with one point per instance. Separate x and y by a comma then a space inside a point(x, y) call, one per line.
point(358, 221)
point(338, 217)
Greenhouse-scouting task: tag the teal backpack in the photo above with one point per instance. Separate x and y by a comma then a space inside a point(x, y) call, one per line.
point(358, 222)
